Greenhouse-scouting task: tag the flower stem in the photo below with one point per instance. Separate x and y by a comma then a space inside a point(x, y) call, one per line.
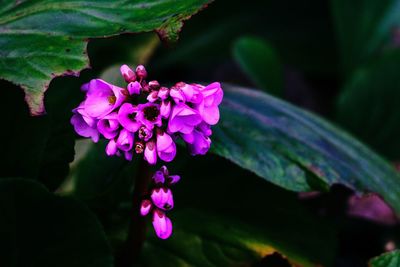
point(137, 225)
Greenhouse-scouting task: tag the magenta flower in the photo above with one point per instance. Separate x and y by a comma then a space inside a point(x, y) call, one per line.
point(183, 119)
point(158, 177)
point(212, 97)
point(108, 125)
point(166, 147)
point(162, 198)
point(163, 93)
point(150, 153)
point(145, 134)
point(125, 140)
point(102, 98)
point(111, 148)
point(134, 88)
point(198, 143)
point(84, 125)
point(190, 92)
point(177, 95)
point(149, 115)
point(165, 109)
point(162, 224)
point(127, 117)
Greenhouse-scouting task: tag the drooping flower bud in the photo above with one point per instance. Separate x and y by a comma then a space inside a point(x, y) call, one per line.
point(152, 97)
point(162, 224)
point(158, 177)
point(163, 93)
point(154, 85)
point(150, 153)
point(134, 88)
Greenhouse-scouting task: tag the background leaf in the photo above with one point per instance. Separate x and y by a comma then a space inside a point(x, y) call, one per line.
point(369, 104)
point(260, 62)
point(57, 33)
point(38, 228)
point(295, 149)
point(364, 28)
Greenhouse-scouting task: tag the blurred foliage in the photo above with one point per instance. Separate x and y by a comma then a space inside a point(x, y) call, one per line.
point(260, 62)
point(390, 259)
point(38, 228)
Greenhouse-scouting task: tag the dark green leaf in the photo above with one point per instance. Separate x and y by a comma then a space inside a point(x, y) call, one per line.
point(364, 28)
point(42, 39)
point(39, 147)
point(38, 228)
point(260, 62)
point(390, 259)
point(369, 104)
point(296, 149)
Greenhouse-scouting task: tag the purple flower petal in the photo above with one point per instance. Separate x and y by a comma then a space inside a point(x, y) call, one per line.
point(134, 88)
point(108, 125)
point(162, 224)
point(173, 179)
point(83, 129)
point(162, 198)
point(125, 140)
point(127, 117)
point(183, 119)
point(149, 115)
point(145, 207)
point(190, 92)
point(166, 147)
point(111, 148)
point(150, 153)
point(165, 109)
point(200, 145)
point(158, 177)
point(102, 98)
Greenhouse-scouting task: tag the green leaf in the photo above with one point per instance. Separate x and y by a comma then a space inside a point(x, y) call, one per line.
point(369, 104)
point(42, 39)
point(38, 228)
point(390, 259)
point(364, 28)
point(295, 149)
point(260, 62)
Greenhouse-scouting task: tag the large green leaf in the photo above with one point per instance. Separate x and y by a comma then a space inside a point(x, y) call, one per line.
point(296, 149)
point(260, 62)
point(364, 28)
point(42, 39)
point(38, 228)
point(369, 104)
point(390, 259)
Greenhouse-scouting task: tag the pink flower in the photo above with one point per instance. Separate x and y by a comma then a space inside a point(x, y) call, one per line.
point(108, 125)
point(165, 109)
point(166, 147)
point(84, 125)
point(183, 119)
point(134, 88)
point(163, 93)
point(162, 198)
point(150, 153)
point(212, 97)
point(125, 140)
point(162, 224)
point(127, 117)
point(102, 98)
point(198, 143)
point(191, 93)
point(111, 148)
point(149, 115)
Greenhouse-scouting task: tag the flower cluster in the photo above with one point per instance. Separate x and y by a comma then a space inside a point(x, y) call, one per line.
point(160, 201)
point(148, 118)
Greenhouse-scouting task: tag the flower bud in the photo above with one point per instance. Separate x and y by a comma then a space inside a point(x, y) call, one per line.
point(145, 207)
point(163, 93)
point(162, 198)
point(154, 85)
point(150, 153)
point(162, 224)
point(158, 177)
point(128, 74)
point(134, 88)
point(141, 72)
